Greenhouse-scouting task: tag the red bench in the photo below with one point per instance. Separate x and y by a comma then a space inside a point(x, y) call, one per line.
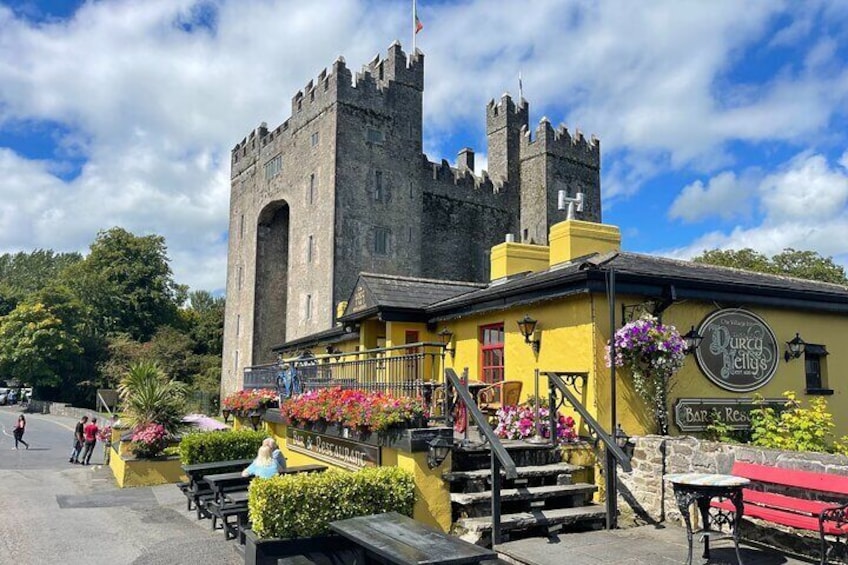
point(827, 518)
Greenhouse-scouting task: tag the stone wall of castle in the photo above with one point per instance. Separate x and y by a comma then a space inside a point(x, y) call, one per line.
point(343, 187)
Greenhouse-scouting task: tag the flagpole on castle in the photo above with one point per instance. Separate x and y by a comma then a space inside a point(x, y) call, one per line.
point(414, 27)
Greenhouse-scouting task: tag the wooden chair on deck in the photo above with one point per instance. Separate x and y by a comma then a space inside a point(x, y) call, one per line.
point(496, 396)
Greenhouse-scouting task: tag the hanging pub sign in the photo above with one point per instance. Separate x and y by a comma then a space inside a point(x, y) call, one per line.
point(338, 451)
point(739, 351)
point(696, 414)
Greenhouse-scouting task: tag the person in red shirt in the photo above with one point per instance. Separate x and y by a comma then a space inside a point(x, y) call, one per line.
point(89, 433)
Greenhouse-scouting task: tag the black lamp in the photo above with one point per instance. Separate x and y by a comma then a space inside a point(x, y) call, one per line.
point(527, 326)
point(693, 339)
point(794, 348)
point(446, 336)
point(622, 440)
point(255, 419)
point(226, 414)
point(438, 449)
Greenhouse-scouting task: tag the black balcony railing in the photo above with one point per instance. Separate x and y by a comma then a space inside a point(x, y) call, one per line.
point(408, 370)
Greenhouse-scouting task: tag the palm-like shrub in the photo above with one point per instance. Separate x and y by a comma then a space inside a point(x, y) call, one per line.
point(149, 397)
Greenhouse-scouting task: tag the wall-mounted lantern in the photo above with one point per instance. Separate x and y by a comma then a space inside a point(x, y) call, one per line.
point(794, 348)
point(527, 326)
point(446, 336)
point(692, 339)
point(438, 450)
point(255, 419)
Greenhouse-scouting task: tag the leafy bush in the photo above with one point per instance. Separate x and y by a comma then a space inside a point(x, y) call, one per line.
point(207, 447)
point(303, 505)
point(794, 428)
point(149, 397)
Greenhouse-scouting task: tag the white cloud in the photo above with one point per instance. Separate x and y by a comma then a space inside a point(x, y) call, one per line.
point(725, 196)
point(803, 206)
point(154, 109)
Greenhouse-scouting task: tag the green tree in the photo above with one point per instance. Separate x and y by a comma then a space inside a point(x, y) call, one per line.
point(790, 262)
point(148, 396)
point(25, 273)
point(127, 282)
point(35, 347)
point(205, 319)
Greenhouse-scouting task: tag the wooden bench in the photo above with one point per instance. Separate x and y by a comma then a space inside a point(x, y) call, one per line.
point(826, 518)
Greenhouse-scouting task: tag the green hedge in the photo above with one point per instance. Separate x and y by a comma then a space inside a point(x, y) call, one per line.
point(303, 505)
point(206, 447)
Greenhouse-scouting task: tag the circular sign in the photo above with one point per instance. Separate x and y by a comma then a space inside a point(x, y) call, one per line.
point(739, 351)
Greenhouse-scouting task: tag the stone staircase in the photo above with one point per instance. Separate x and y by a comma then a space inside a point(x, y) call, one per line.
point(543, 499)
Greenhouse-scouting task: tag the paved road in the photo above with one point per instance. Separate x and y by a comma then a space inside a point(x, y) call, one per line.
point(56, 512)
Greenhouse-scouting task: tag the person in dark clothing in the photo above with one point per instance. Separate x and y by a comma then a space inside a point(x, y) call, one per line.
point(89, 433)
point(79, 440)
point(20, 428)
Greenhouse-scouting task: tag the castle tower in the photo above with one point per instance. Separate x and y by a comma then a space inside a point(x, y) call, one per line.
point(342, 186)
point(550, 161)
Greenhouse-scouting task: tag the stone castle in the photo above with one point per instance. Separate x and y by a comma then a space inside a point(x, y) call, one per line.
point(343, 186)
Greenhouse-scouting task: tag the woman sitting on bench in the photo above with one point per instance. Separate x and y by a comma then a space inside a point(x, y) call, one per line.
point(263, 466)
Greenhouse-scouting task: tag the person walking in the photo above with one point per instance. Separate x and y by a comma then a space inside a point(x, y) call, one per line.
point(79, 440)
point(20, 428)
point(89, 433)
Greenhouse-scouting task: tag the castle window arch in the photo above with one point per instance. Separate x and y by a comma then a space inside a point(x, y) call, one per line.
point(314, 139)
point(382, 237)
point(378, 186)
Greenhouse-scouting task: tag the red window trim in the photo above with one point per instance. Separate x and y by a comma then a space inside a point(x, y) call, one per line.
point(487, 370)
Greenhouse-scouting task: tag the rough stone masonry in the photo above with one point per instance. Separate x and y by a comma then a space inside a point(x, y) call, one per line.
point(343, 187)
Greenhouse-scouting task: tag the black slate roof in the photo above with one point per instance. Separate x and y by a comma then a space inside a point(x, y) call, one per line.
point(646, 274)
point(392, 292)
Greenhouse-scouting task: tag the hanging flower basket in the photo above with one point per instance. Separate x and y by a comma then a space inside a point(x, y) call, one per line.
point(243, 402)
point(653, 353)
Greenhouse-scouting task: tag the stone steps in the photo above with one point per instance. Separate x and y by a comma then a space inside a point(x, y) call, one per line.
point(525, 494)
point(523, 472)
point(479, 529)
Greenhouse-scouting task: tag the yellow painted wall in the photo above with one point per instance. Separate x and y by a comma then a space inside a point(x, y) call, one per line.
point(144, 472)
point(575, 330)
point(432, 494)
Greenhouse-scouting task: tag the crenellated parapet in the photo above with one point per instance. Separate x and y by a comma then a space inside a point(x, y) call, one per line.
point(506, 113)
point(460, 183)
point(561, 143)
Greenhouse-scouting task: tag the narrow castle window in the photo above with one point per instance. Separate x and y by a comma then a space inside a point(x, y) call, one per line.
point(315, 139)
point(378, 185)
point(235, 363)
point(238, 325)
point(409, 235)
point(375, 136)
point(381, 241)
point(273, 167)
point(239, 278)
point(308, 306)
point(309, 249)
point(312, 188)
point(241, 226)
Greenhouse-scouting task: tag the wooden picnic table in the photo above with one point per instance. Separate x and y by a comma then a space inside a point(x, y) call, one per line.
point(401, 540)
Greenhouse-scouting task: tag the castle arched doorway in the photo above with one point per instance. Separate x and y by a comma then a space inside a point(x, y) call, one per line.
point(272, 268)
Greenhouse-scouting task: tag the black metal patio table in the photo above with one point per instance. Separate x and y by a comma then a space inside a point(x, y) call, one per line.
point(701, 488)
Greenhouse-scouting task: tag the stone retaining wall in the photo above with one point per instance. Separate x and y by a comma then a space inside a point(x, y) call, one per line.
point(58, 409)
point(644, 498)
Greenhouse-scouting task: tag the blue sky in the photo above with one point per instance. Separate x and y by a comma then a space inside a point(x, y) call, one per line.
point(722, 123)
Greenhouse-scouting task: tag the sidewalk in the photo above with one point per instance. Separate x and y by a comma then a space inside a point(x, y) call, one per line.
point(645, 545)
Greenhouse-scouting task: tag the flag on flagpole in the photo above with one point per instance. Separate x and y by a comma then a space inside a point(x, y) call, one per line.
point(418, 25)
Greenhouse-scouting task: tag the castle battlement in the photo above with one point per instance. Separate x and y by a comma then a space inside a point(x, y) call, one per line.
point(474, 188)
point(560, 142)
point(505, 112)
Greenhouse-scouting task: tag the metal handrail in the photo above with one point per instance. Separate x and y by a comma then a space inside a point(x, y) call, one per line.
point(499, 455)
point(555, 380)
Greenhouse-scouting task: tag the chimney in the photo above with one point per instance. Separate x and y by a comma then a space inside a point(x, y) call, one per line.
point(575, 238)
point(510, 258)
point(465, 160)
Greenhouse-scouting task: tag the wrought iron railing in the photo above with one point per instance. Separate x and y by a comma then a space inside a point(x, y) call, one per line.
point(559, 383)
point(500, 457)
point(412, 369)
